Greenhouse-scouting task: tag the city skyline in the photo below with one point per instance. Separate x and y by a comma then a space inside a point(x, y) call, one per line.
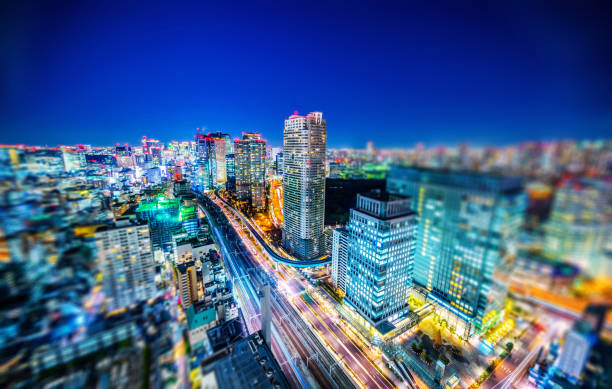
point(177, 212)
point(389, 71)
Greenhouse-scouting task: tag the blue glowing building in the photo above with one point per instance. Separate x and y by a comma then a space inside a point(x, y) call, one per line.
point(382, 238)
point(468, 229)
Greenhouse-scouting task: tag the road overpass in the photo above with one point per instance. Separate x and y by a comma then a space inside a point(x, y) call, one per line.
point(289, 261)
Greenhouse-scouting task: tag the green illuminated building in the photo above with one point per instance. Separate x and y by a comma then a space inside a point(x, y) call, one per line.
point(167, 217)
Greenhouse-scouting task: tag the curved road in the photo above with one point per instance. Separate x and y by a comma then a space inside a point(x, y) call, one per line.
point(325, 260)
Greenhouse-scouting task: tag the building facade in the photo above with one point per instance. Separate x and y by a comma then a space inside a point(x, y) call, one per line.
point(205, 163)
point(250, 160)
point(125, 260)
point(382, 237)
point(339, 253)
point(580, 226)
point(220, 140)
point(468, 230)
point(230, 169)
point(304, 148)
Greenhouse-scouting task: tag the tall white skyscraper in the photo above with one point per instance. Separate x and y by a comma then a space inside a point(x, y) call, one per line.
point(304, 142)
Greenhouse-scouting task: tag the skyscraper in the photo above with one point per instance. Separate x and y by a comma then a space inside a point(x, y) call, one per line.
point(304, 143)
point(126, 262)
point(220, 140)
point(468, 229)
point(250, 159)
point(205, 163)
point(382, 235)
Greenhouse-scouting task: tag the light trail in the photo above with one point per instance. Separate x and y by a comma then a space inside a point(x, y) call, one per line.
point(349, 351)
point(236, 271)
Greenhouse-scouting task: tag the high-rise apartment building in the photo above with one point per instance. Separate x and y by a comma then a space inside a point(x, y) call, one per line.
point(250, 159)
point(126, 262)
point(468, 229)
point(205, 163)
point(304, 144)
point(580, 226)
point(382, 237)
point(339, 253)
point(220, 140)
point(230, 164)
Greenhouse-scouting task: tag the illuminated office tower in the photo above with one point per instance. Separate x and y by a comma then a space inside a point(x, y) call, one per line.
point(250, 165)
point(230, 163)
point(580, 225)
point(468, 229)
point(126, 262)
point(382, 237)
point(226, 139)
point(304, 142)
point(340, 242)
point(205, 163)
point(220, 152)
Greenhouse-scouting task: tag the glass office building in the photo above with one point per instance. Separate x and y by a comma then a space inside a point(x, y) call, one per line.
point(580, 226)
point(382, 237)
point(205, 163)
point(230, 164)
point(468, 229)
point(250, 170)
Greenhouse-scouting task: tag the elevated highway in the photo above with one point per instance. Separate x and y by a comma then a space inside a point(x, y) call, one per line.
point(289, 261)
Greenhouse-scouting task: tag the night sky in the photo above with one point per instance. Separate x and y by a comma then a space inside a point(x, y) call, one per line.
point(102, 72)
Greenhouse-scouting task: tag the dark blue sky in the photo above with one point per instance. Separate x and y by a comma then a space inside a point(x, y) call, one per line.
point(488, 73)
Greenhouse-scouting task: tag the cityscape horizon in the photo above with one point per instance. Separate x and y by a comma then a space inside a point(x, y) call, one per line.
point(440, 217)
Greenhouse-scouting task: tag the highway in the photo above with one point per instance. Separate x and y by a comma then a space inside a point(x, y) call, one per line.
point(324, 321)
point(324, 260)
point(525, 356)
point(276, 202)
point(304, 359)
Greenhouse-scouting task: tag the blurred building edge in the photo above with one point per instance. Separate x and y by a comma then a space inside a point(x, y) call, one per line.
point(582, 360)
point(112, 358)
point(467, 235)
point(580, 226)
point(247, 363)
point(125, 260)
